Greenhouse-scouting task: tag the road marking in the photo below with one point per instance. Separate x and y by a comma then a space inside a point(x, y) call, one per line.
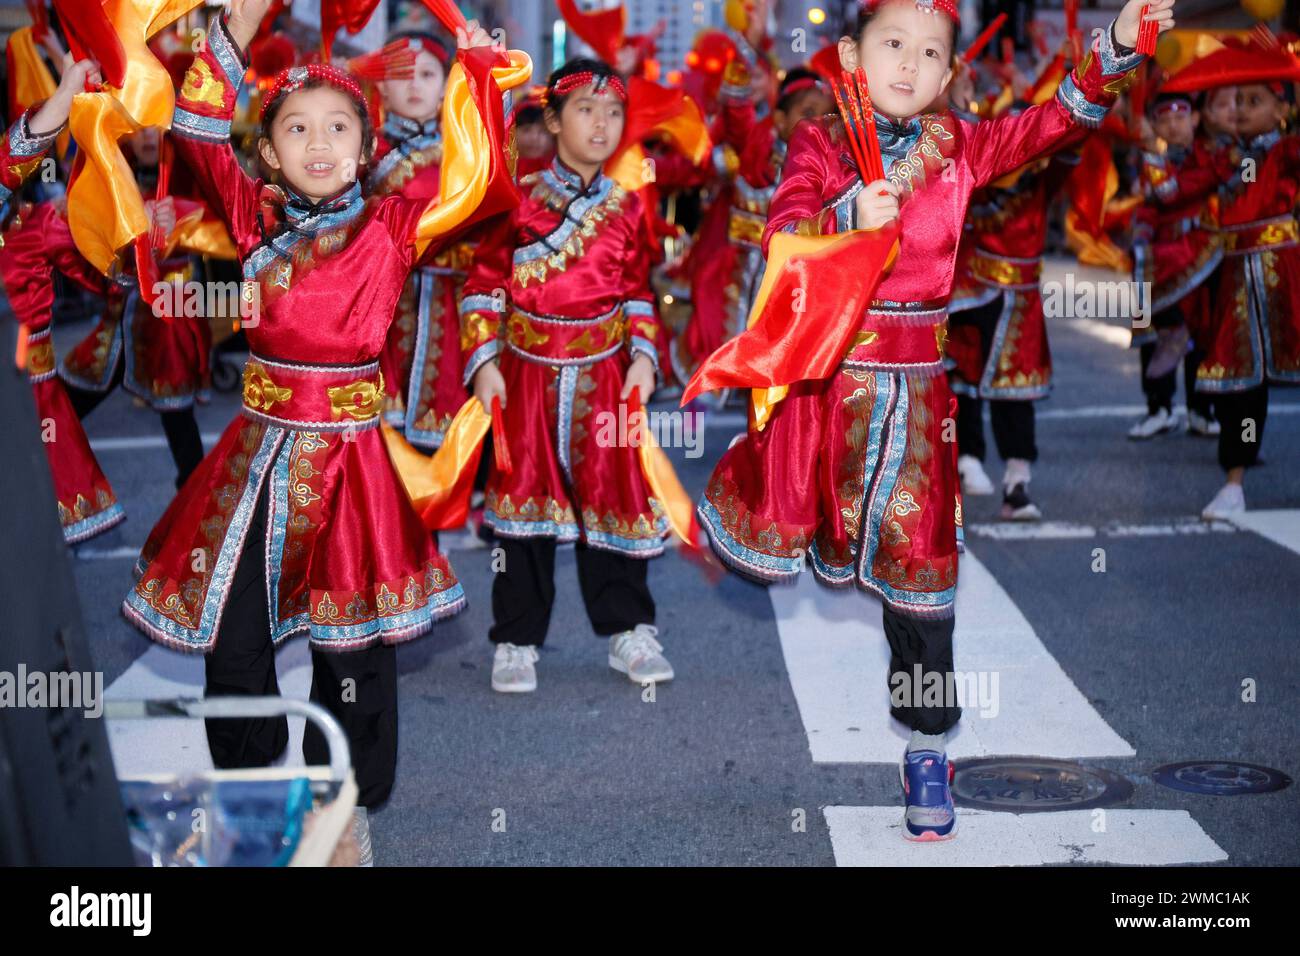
point(126, 553)
point(1119, 335)
point(179, 746)
point(872, 836)
point(1281, 526)
point(1065, 530)
point(838, 661)
point(132, 442)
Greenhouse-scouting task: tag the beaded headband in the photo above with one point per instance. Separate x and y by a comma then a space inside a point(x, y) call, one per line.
point(948, 7)
point(294, 77)
point(601, 85)
point(1172, 106)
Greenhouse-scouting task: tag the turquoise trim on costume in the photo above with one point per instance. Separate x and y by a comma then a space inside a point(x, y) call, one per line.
point(110, 517)
point(758, 564)
point(919, 603)
point(1084, 111)
point(195, 126)
point(201, 638)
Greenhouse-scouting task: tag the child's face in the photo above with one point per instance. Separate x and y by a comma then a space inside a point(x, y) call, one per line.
point(420, 97)
point(315, 141)
point(533, 140)
point(907, 54)
point(1177, 128)
point(1259, 110)
point(588, 127)
point(807, 105)
point(144, 144)
point(1220, 114)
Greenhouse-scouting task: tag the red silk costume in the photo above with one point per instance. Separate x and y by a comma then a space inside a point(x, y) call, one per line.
point(853, 470)
point(347, 558)
point(575, 269)
point(421, 359)
point(1254, 334)
point(1179, 244)
point(1006, 235)
point(35, 243)
point(167, 363)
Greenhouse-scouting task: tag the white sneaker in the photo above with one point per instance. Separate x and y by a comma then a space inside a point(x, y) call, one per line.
point(636, 654)
point(1157, 424)
point(512, 669)
point(361, 830)
point(974, 479)
point(1198, 424)
point(1230, 501)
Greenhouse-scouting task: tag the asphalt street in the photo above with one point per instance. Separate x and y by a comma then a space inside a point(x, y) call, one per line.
point(773, 744)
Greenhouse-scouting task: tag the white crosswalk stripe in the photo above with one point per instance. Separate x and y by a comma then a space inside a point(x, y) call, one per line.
point(838, 661)
point(1023, 703)
point(872, 836)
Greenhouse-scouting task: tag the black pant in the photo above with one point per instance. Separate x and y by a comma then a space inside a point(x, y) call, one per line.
point(1160, 391)
point(1013, 420)
point(1236, 411)
point(613, 587)
point(912, 642)
point(358, 687)
point(180, 426)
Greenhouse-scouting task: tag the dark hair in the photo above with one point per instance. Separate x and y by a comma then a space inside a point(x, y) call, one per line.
point(785, 101)
point(1162, 98)
point(867, 14)
point(529, 115)
point(597, 68)
point(311, 83)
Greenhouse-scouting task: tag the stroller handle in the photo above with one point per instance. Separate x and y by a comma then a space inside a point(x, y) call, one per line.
point(194, 707)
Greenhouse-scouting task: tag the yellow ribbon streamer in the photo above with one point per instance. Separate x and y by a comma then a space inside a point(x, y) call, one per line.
point(465, 167)
point(31, 81)
point(106, 210)
point(664, 484)
point(429, 482)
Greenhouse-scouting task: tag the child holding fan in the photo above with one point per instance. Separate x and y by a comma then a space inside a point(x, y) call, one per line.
point(558, 325)
point(297, 522)
point(850, 464)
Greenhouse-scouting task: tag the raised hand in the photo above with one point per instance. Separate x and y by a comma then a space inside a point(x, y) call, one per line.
point(472, 36)
point(54, 113)
point(1129, 19)
point(244, 18)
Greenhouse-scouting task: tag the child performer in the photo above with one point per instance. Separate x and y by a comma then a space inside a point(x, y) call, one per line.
point(852, 467)
point(162, 362)
point(761, 146)
point(421, 359)
point(36, 242)
point(574, 354)
point(297, 522)
point(997, 333)
point(1255, 340)
point(1178, 252)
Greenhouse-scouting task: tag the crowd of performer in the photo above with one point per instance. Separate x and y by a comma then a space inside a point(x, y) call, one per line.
point(455, 271)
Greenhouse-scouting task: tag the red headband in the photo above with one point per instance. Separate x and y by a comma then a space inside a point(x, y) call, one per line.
point(948, 7)
point(1172, 106)
point(576, 81)
point(801, 84)
point(429, 45)
point(295, 76)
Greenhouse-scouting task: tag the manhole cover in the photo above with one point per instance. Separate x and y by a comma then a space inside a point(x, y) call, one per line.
point(998, 783)
point(1220, 778)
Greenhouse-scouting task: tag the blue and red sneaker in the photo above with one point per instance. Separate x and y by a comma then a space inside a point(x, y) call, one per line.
point(929, 815)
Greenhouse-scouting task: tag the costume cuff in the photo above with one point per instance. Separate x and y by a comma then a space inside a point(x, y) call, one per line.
point(1114, 58)
point(23, 143)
